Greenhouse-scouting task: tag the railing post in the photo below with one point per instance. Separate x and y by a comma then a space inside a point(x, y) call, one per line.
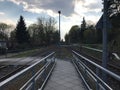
point(33, 80)
point(44, 75)
point(54, 59)
point(97, 71)
point(45, 61)
point(85, 73)
point(98, 74)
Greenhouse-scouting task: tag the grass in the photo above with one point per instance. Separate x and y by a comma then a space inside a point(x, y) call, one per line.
point(63, 53)
point(25, 53)
point(98, 55)
point(97, 46)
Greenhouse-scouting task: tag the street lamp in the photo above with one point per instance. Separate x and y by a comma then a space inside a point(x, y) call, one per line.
point(105, 51)
point(59, 12)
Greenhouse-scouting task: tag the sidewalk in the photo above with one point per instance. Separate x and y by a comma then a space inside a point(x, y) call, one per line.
point(64, 77)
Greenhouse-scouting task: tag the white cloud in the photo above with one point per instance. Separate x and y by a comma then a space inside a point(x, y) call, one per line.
point(9, 22)
point(2, 13)
point(36, 6)
point(1, 0)
point(87, 6)
point(34, 10)
point(68, 22)
point(90, 9)
point(51, 13)
point(15, 1)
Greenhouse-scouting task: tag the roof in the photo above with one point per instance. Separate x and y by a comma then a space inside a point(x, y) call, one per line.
point(99, 25)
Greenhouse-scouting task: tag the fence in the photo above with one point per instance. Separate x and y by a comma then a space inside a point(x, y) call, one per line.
point(96, 83)
point(33, 77)
point(98, 50)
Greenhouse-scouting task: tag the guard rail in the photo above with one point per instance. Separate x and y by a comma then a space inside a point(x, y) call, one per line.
point(87, 74)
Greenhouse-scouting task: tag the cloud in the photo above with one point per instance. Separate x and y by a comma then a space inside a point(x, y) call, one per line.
point(1, 0)
point(68, 7)
point(15, 1)
point(9, 22)
point(2, 13)
point(68, 22)
point(87, 6)
point(91, 9)
point(38, 6)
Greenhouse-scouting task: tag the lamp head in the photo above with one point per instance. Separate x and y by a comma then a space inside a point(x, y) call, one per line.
point(59, 12)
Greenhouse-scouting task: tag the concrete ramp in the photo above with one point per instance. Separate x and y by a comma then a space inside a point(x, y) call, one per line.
point(64, 77)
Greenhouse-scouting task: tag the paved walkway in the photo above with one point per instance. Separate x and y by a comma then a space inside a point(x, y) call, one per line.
point(64, 77)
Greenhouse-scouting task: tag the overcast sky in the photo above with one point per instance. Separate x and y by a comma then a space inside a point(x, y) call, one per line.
point(72, 11)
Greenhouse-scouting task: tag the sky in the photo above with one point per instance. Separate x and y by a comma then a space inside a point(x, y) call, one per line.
point(72, 11)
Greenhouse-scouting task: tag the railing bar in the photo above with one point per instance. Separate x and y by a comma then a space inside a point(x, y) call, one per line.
point(100, 67)
point(99, 78)
point(30, 86)
point(40, 71)
point(95, 75)
point(81, 76)
point(23, 71)
point(41, 88)
point(98, 50)
point(116, 56)
point(91, 76)
point(36, 77)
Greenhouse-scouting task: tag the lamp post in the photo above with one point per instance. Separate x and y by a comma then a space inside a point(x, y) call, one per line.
point(59, 12)
point(105, 51)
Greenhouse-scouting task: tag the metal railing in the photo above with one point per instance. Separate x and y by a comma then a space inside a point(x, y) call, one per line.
point(42, 74)
point(98, 50)
point(87, 74)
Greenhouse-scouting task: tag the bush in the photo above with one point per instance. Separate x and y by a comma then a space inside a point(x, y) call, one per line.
point(3, 50)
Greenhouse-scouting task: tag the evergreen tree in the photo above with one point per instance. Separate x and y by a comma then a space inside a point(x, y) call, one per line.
point(83, 28)
point(22, 35)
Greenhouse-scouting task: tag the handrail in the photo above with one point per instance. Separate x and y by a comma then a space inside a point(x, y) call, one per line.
point(85, 72)
point(3, 83)
point(116, 55)
point(81, 76)
point(94, 75)
point(41, 88)
point(117, 77)
point(41, 70)
point(98, 50)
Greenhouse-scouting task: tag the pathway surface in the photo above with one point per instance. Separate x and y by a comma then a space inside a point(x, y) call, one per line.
point(64, 77)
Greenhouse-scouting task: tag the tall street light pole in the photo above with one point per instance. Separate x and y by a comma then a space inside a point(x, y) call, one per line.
point(105, 51)
point(59, 25)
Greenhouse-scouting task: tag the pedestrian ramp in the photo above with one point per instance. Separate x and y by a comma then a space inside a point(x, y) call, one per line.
point(64, 77)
